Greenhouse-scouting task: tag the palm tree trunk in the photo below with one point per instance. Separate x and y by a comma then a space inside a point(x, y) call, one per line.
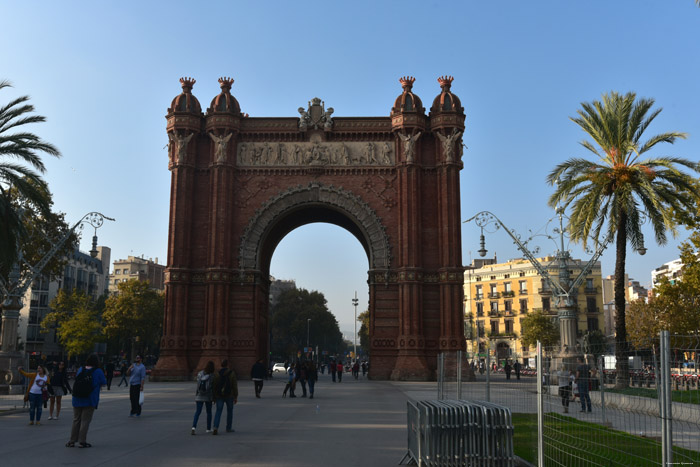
point(621, 353)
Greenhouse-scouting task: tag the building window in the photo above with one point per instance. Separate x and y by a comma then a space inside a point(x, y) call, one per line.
point(523, 287)
point(508, 306)
point(494, 307)
point(506, 287)
point(508, 326)
point(545, 304)
point(480, 309)
point(523, 305)
point(479, 292)
point(592, 324)
point(481, 332)
point(589, 282)
point(494, 326)
point(590, 305)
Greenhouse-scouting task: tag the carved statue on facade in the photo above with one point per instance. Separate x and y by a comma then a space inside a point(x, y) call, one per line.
point(448, 144)
point(221, 143)
point(386, 153)
point(409, 145)
point(180, 151)
point(369, 154)
point(327, 120)
point(304, 119)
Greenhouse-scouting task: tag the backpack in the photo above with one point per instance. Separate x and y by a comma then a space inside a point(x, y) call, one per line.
point(225, 385)
point(204, 387)
point(83, 383)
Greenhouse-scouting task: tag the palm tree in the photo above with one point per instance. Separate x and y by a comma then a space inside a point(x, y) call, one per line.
point(615, 194)
point(20, 166)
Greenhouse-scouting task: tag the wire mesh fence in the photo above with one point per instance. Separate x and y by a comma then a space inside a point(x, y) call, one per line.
point(643, 412)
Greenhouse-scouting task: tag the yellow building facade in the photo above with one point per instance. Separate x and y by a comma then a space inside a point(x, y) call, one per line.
point(497, 296)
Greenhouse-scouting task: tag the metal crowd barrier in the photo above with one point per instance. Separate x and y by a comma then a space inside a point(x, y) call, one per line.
point(459, 433)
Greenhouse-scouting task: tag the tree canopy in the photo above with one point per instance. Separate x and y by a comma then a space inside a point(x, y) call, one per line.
point(76, 319)
point(135, 311)
point(363, 318)
point(20, 169)
point(537, 326)
point(290, 324)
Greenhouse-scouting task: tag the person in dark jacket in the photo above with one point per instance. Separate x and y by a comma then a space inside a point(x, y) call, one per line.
point(109, 373)
point(84, 407)
point(311, 377)
point(58, 388)
point(257, 374)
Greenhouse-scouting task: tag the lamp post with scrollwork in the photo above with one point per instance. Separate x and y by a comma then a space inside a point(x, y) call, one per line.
point(18, 281)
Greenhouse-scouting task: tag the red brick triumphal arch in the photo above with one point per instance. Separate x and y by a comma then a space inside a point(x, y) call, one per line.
point(240, 184)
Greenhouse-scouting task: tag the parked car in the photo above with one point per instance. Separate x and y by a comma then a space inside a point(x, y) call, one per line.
point(278, 368)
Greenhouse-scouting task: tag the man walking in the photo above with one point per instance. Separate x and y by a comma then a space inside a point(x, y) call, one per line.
point(257, 374)
point(516, 367)
point(225, 392)
point(109, 373)
point(332, 368)
point(583, 374)
point(136, 382)
point(122, 370)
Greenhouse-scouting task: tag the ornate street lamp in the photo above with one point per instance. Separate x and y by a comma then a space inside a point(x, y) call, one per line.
point(19, 280)
point(354, 303)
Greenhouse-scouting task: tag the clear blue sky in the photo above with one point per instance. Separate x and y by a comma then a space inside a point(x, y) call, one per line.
point(104, 73)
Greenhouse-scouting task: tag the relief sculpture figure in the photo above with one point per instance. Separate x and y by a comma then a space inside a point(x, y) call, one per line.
point(448, 146)
point(386, 153)
point(242, 154)
point(369, 154)
point(180, 151)
point(221, 143)
point(408, 145)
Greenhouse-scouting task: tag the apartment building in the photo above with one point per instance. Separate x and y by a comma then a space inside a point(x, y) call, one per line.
point(497, 296)
point(137, 268)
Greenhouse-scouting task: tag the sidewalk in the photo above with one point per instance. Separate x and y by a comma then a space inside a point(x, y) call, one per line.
point(353, 423)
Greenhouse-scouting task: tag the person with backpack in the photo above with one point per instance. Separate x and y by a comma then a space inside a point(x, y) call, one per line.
point(86, 396)
point(291, 379)
point(225, 392)
point(204, 395)
point(257, 374)
point(138, 378)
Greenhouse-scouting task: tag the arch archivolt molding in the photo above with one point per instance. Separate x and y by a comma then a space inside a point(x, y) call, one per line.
point(316, 194)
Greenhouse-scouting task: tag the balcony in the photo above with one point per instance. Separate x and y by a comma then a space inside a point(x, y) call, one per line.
point(591, 290)
point(509, 293)
point(494, 295)
point(523, 291)
point(523, 311)
point(479, 296)
point(545, 291)
point(592, 310)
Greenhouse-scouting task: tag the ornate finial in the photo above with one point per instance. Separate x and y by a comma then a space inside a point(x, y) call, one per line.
point(407, 82)
point(187, 84)
point(225, 83)
point(445, 82)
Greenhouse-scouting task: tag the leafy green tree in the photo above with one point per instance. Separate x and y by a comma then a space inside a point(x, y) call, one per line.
point(537, 326)
point(615, 194)
point(136, 311)
point(290, 323)
point(75, 317)
point(363, 318)
point(20, 166)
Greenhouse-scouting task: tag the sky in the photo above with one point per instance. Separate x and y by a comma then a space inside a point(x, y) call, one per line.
point(104, 73)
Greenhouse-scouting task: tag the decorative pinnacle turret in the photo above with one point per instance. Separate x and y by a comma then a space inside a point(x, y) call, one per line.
point(225, 83)
point(187, 84)
point(407, 82)
point(445, 82)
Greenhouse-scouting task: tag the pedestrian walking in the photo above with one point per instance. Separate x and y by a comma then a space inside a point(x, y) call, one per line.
point(332, 368)
point(136, 382)
point(517, 367)
point(58, 388)
point(508, 368)
point(109, 373)
point(89, 379)
point(364, 369)
point(225, 392)
point(203, 395)
point(257, 374)
point(291, 378)
point(583, 375)
point(356, 369)
point(340, 369)
point(123, 369)
point(565, 382)
point(301, 377)
point(311, 378)
point(37, 391)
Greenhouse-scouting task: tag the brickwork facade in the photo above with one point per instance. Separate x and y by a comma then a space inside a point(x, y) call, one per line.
point(240, 184)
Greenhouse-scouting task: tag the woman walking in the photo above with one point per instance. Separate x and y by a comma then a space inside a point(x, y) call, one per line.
point(203, 395)
point(37, 390)
point(86, 396)
point(59, 387)
point(311, 378)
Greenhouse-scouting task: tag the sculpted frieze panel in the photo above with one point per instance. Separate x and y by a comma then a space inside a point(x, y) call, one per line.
point(315, 153)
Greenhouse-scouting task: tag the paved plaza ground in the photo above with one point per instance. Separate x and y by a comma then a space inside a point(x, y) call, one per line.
point(353, 423)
